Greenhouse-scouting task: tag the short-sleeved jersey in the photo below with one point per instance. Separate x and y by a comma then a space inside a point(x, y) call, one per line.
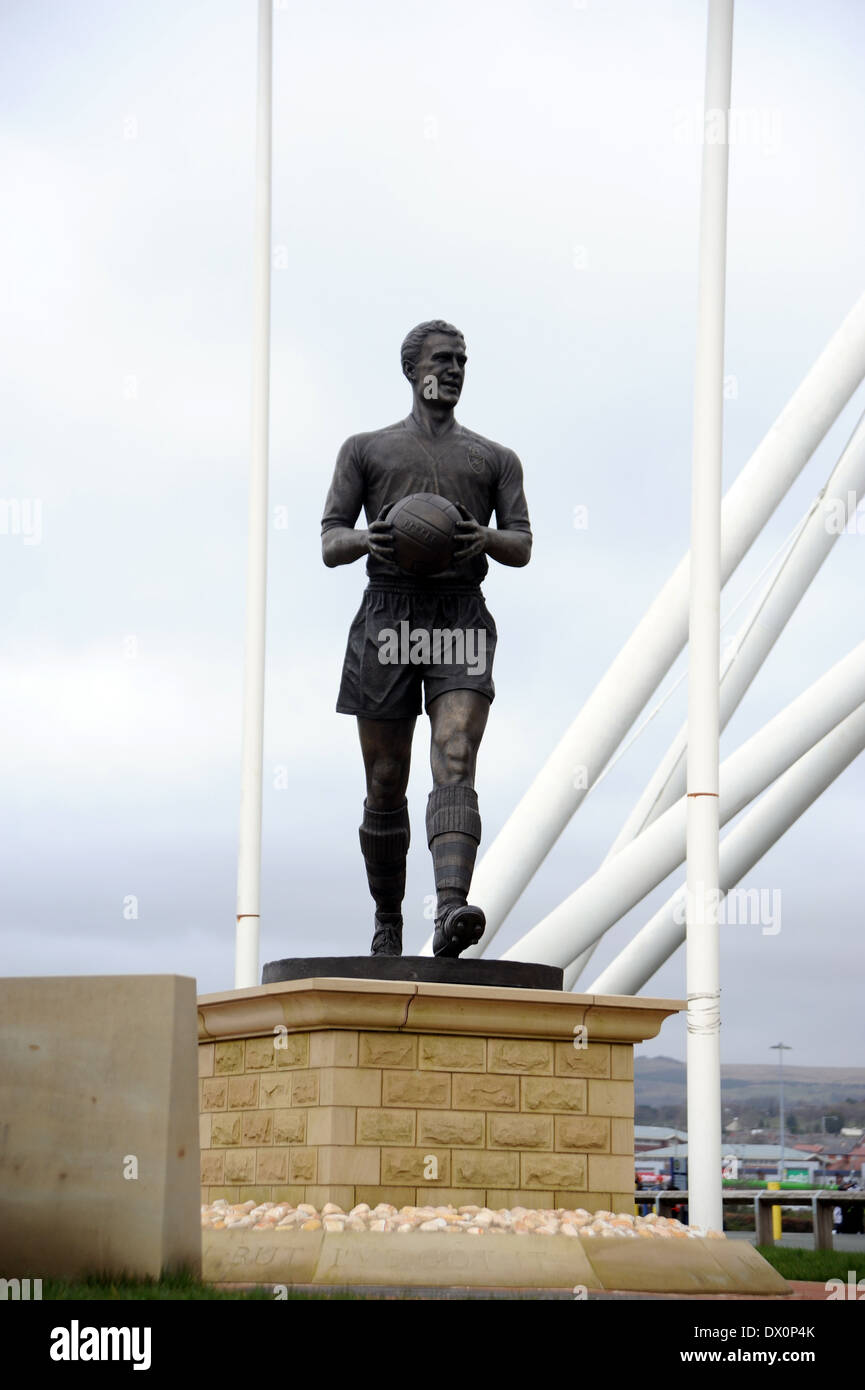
point(383, 466)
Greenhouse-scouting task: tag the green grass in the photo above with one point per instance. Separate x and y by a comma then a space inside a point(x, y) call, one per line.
point(105, 1288)
point(816, 1265)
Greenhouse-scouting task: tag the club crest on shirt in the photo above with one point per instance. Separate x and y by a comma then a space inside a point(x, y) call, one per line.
point(477, 460)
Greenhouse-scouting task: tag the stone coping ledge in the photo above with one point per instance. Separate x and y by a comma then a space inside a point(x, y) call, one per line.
point(416, 1007)
point(693, 1266)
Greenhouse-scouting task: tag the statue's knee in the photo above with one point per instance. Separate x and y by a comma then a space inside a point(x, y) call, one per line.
point(458, 758)
point(388, 780)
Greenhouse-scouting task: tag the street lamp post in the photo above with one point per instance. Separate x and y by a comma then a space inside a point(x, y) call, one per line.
point(781, 1048)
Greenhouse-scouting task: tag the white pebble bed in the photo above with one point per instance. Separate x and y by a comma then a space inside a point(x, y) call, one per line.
point(468, 1220)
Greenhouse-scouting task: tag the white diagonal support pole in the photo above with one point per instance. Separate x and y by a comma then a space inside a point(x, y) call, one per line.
point(705, 1204)
point(771, 817)
point(249, 846)
point(626, 877)
point(828, 515)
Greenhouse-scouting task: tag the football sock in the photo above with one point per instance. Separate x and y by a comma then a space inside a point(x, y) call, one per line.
point(384, 842)
point(453, 827)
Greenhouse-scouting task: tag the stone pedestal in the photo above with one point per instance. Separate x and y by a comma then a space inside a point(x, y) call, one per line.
point(99, 1159)
point(347, 1090)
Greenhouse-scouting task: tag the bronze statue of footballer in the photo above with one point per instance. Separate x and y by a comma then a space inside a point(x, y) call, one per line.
point(420, 631)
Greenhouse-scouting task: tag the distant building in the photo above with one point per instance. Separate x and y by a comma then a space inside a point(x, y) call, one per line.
point(647, 1137)
point(756, 1161)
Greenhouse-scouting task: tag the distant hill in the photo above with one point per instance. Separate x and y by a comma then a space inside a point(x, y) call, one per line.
point(660, 1082)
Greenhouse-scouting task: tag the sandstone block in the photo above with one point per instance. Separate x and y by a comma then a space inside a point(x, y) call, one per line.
point(243, 1093)
point(272, 1165)
point(212, 1168)
point(519, 1197)
point(483, 1168)
point(289, 1126)
point(240, 1165)
point(302, 1165)
point(451, 1128)
point(227, 1058)
point(520, 1131)
point(253, 1193)
point(225, 1131)
point(387, 1050)
point(256, 1128)
point(225, 1193)
point(291, 1050)
point(611, 1098)
point(330, 1124)
point(274, 1091)
point(349, 1164)
point(333, 1047)
point(385, 1127)
point(553, 1170)
point(416, 1088)
point(287, 1193)
point(304, 1087)
point(524, 1056)
point(486, 1092)
point(623, 1062)
point(613, 1172)
point(260, 1055)
point(559, 1093)
point(451, 1053)
point(581, 1133)
point(402, 1167)
point(214, 1093)
point(589, 1201)
point(349, 1086)
point(622, 1137)
point(592, 1060)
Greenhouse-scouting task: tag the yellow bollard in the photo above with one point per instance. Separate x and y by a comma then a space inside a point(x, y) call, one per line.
point(776, 1211)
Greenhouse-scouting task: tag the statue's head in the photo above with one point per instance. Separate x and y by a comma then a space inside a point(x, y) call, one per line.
point(434, 361)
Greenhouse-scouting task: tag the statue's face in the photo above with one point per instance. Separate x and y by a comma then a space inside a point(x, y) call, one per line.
point(442, 358)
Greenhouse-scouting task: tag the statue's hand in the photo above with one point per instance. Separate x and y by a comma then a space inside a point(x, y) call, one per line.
point(470, 538)
point(379, 537)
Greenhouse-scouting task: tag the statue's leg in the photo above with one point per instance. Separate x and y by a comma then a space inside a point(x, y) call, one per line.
point(458, 719)
point(384, 831)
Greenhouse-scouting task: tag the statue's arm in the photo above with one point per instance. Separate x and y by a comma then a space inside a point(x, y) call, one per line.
point(341, 541)
point(510, 540)
point(341, 545)
point(508, 547)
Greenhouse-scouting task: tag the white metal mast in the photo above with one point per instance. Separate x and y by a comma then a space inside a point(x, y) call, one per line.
point(705, 1206)
point(249, 846)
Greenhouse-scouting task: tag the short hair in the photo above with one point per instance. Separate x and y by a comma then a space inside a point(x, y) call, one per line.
point(413, 341)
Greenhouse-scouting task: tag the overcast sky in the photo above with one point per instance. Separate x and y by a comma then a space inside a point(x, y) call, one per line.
point(528, 169)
